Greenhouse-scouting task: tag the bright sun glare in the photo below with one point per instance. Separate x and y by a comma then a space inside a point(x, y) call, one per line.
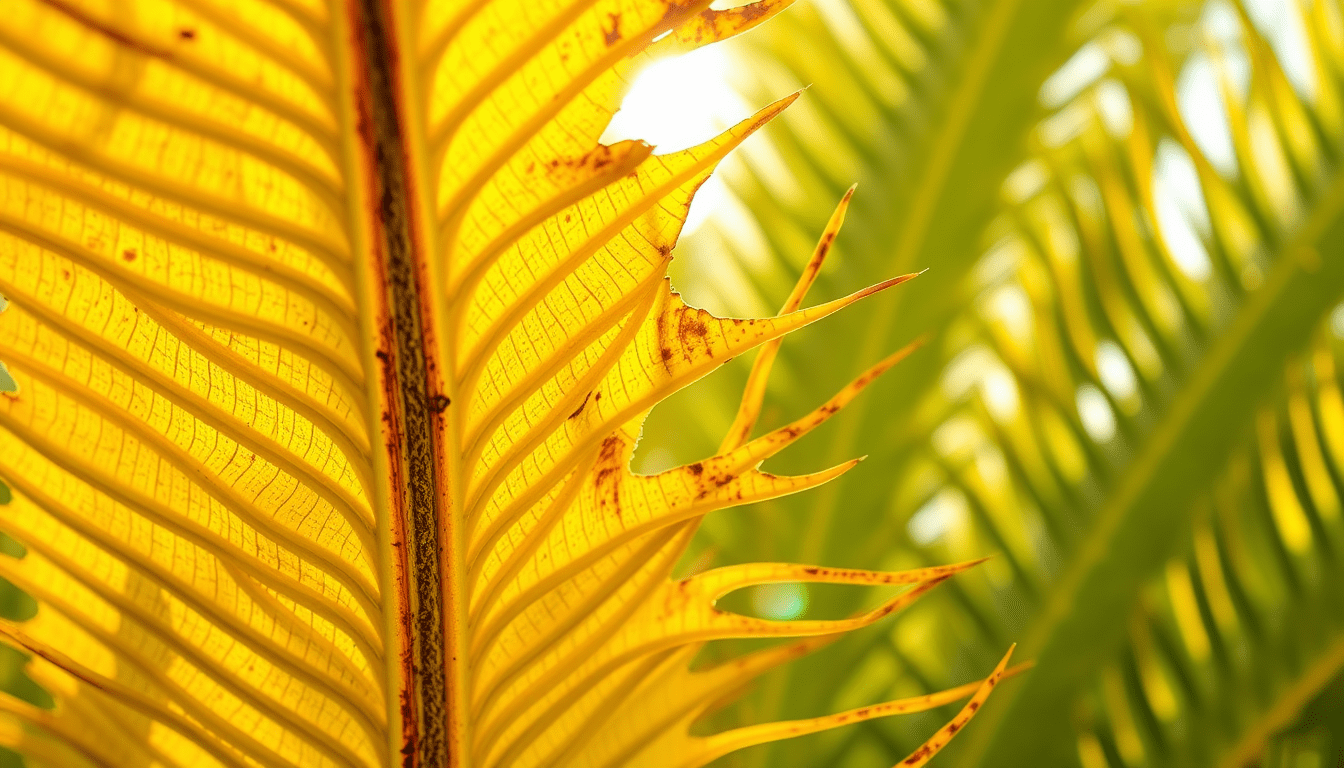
point(679, 102)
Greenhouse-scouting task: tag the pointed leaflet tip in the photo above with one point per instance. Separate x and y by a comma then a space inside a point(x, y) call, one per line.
point(944, 735)
point(731, 138)
point(830, 307)
point(753, 394)
point(770, 111)
point(713, 747)
point(819, 254)
point(891, 281)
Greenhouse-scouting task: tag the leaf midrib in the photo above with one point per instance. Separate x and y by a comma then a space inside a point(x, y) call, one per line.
point(416, 534)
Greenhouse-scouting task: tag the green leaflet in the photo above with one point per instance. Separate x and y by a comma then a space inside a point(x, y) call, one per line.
point(1080, 558)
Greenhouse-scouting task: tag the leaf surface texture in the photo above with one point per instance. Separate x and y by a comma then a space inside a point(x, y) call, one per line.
point(216, 377)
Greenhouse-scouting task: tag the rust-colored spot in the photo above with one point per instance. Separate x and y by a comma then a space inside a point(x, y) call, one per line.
point(614, 34)
point(582, 405)
point(664, 350)
point(674, 9)
point(750, 12)
point(186, 34)
point(919, 754)
point(695, 469)
point(609, 449)
point(104, 29)
point(608, 478)
point(825, 245)
point(128, 254)
point(695, 327)
point(439, 403)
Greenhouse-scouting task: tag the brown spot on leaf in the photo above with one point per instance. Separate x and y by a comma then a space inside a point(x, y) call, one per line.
point(825, 245)
point(674, 8)
point(751, 12)
point(439, 403)
point(103, 28)
point(128, 254)
point(186, 34)
point(612, 35)
point(664, 350)
point(582, 405)
point(919, 754)
point(608, 479)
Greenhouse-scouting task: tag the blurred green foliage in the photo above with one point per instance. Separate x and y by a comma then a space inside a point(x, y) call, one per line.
point(1132, 214)
point(15, 605)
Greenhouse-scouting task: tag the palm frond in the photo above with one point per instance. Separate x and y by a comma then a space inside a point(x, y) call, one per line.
point(1117, 388)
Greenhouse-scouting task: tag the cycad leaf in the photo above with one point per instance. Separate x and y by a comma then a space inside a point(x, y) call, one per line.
point(334, 327)
point(1092, 388)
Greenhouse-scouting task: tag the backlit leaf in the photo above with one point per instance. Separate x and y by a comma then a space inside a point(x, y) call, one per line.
point(333, 327)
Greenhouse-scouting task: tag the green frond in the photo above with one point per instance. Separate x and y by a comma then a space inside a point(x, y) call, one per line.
point(1129, 394)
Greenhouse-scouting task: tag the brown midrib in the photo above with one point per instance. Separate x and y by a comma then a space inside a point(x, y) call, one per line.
point(410, 431)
